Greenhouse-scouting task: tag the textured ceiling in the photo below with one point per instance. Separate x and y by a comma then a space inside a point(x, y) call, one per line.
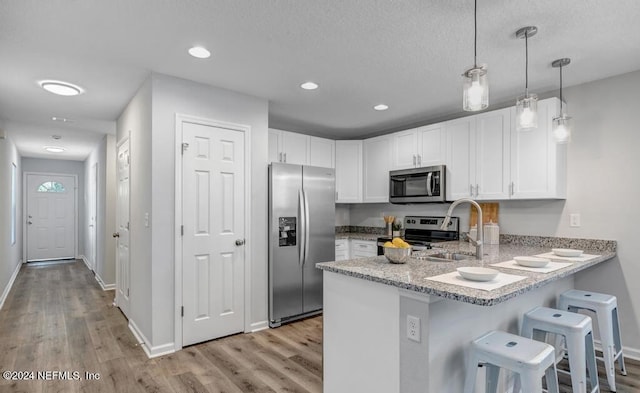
point(407, 54)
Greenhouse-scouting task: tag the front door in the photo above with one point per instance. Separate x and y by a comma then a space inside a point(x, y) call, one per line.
point(51, 217)
point(213, 203)
point(123, 269)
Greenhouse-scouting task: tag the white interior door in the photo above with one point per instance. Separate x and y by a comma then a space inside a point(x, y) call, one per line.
point(213, 203)
point(51, 217)
point(123, 268)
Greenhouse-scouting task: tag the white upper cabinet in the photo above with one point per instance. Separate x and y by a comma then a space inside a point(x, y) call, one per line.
point(322, 152)
point(431, 144)
point(419, 147)
point(405, 149)
point(538, 164)
point(460, 155)
point(348, 171)
point(377, 163)
point(294, 148)
point(492, 145)
point(478, 156)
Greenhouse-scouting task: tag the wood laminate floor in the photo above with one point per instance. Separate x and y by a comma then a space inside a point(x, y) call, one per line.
point(56, 318)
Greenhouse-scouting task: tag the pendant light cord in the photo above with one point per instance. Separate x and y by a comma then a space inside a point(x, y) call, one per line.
point(475, 33)
point(526, 64)
point(561, 113)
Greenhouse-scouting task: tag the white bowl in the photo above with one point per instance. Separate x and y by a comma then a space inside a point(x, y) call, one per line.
point(566, 252)
point(474, 273)
point(531, 261)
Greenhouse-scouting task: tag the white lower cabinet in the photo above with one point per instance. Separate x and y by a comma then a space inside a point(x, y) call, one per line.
point(342, 249)
point(363, 249)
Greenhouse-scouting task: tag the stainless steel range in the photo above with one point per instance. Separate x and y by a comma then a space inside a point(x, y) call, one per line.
point(422, 231)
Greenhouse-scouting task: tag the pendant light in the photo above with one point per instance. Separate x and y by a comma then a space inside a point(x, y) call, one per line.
point(527, 105)
point(562, 124)
point(475, 95)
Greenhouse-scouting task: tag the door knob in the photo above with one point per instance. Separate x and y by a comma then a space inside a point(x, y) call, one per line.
point(116, 234)
point(239, 242)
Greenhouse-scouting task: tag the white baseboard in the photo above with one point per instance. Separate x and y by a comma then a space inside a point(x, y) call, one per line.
point(7, 289)
point(628, 352)
point(152, 352)
point(257, 326)
point(105, 287)
point(86, 261)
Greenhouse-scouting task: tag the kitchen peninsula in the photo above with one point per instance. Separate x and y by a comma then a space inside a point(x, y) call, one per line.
point(367, 302)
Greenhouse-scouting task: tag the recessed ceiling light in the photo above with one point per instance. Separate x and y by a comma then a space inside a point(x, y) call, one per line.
point(54, 149)
point(381, 107)
point(309, 86)
point(199, 52)
point(61, 88)
point(61, 119)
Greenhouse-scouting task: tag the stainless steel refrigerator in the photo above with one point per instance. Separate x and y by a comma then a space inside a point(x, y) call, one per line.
point(301, 234)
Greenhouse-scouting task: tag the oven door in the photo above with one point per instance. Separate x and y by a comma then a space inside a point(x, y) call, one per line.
point(417, 185)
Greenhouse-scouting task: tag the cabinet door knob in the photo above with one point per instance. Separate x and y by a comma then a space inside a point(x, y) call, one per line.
point(116, 234)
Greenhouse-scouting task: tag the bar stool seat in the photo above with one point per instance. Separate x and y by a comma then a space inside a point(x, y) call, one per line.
point(530, 359)
point(577, 331)
point(605, 307)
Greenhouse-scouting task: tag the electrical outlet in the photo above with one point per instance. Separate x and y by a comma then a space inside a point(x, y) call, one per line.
point(574, 220)
point(413, 328)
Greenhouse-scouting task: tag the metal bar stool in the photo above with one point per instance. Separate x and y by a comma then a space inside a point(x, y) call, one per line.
point(577, 331)
point(530, 359)
point(606, 309)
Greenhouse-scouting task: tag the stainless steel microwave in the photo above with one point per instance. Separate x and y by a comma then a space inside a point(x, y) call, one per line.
point(418, 185)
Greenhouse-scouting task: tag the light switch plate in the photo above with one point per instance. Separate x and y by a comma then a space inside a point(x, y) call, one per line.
point(574, 220)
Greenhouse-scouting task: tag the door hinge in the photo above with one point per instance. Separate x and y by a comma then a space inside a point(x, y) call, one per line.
point(185, 146)
point(181, 230)
point(182, 311)
point(127, 292)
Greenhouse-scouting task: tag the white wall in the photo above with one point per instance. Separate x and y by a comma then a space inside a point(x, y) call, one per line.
point(10, 254)
point(68, 167)
point(104, 156)
point(603, 184)
point(150, 117)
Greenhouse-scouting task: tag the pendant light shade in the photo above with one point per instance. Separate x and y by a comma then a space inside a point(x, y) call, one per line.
point(475, 87)
point(527, 105)
point(563, 124)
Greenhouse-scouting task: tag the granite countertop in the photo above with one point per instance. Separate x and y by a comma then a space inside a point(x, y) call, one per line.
point(413, 275)
point(358, 236)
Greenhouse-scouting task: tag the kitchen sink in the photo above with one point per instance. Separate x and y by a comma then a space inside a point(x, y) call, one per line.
point(449, 257)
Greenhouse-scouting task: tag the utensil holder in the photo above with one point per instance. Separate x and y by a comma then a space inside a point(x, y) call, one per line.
point(389, 229)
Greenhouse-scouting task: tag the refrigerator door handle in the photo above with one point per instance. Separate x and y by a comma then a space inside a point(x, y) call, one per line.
point(306, 228)
point(302, 227)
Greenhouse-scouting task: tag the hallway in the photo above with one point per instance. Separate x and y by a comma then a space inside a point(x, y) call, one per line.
point(57, 318)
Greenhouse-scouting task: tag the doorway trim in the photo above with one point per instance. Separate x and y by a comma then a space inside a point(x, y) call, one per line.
point(184, 118)
point(25, 213)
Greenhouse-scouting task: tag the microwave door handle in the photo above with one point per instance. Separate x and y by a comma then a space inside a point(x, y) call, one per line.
point(429, 186)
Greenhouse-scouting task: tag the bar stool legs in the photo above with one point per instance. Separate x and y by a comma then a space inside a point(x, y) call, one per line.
point(606, 309)
point(578, 334)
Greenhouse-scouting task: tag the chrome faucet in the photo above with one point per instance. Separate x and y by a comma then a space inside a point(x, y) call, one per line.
point(478, 243)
